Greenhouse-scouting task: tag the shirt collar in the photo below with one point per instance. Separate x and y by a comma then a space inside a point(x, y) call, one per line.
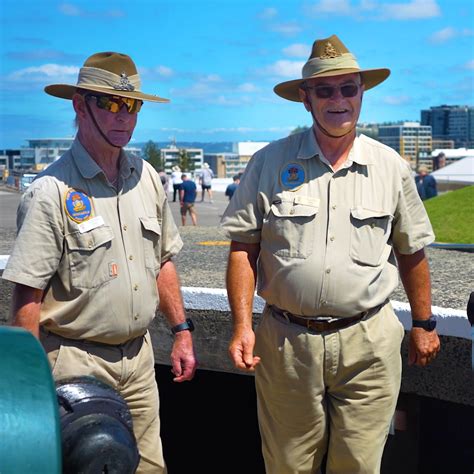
point(309, 148)
point(89, 168)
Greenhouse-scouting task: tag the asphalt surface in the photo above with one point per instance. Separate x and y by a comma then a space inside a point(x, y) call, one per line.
point(202, 261)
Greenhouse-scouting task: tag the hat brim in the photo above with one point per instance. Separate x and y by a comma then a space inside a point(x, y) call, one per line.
point(66, 91)
point(370, 78)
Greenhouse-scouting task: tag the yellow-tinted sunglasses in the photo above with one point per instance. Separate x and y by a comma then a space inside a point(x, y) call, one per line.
point(114, 104)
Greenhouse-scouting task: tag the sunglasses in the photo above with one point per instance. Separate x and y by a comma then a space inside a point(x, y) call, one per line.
point(114, 104)
point(325, 92)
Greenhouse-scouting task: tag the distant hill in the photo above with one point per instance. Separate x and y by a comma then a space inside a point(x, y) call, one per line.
point(208, 147)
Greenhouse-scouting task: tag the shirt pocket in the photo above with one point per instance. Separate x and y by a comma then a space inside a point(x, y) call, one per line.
point(370, 231)
point(288, 231)
point(89, 257)
point(151, 231)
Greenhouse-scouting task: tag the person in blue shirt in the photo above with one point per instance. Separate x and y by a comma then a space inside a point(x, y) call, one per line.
point(187, 197)
point(230, 190)
point(425, 184)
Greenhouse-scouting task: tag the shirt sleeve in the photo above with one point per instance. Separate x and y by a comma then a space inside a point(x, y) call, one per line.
point(40, 236)
point(412, 228)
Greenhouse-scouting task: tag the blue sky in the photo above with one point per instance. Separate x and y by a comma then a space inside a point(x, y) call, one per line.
point(219, 60)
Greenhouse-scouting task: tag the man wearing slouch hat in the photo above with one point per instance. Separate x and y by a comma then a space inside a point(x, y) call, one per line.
point(322, 224)
point(93, 258)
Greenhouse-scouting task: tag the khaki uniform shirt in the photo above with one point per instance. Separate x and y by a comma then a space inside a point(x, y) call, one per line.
point(95, 251)
point(326, 238)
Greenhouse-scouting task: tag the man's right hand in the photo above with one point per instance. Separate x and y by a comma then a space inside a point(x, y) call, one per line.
point(241, 350)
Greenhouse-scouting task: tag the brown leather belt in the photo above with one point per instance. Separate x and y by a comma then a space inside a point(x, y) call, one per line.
point(325, 323)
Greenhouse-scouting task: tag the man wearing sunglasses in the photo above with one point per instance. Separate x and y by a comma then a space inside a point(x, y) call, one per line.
point(93, 259)
point(321, 220)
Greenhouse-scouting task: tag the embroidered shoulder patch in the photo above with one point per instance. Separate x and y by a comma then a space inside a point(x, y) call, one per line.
point(292, 175)
point(78, 205)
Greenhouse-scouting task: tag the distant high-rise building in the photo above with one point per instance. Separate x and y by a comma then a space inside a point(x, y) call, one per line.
point(171, 156)
point(410, 139)
point(451, 122)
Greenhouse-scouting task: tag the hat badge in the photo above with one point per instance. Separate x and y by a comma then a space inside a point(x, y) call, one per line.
point(329, 51)
point(124, 84)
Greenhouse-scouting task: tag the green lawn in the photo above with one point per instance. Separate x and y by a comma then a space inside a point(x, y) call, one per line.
point(452, 216)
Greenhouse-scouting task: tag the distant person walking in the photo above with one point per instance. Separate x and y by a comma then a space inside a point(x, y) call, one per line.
point(425, 184)
point(230, 190)
point(187, 197)
point(206, 181)
point(165, 180)
point(176, 180)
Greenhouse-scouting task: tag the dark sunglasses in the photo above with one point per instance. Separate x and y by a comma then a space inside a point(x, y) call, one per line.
point(325, 92)
point(114, 104)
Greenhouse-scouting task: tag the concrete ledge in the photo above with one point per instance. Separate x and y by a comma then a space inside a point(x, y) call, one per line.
point(450, 377)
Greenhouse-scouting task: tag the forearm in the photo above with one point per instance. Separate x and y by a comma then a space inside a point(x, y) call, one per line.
point(241, 279)
point(415, 275)
point(26, 306)
point(169, 290)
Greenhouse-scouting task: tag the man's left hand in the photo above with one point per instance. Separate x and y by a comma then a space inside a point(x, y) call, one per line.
point(423, 347)
point(183, 358)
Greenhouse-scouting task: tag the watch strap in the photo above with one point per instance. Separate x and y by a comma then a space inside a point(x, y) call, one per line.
point(426, 324)
point(186, 326)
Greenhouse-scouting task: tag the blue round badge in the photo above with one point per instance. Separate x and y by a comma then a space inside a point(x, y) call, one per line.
point(78, 205)
point(292, 175)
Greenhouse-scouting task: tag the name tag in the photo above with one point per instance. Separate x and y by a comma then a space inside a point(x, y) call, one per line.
point(90, 224)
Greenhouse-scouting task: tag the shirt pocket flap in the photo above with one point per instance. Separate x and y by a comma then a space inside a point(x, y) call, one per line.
point(298, 206)
point(151, 224)
point(89, 240)
point(361, 213)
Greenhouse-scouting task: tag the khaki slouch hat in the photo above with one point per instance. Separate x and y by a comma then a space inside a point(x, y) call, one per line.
point(329, 57)
point(109, 73)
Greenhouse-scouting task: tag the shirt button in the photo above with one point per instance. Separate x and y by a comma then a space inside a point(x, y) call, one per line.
point(372, 224)
point(90, 244)
point(334, 207)
point(292, 211)
point(130, 257)
point(323, 302)
point(135, 287)
point(135, 317)
point(332, 238)
point(328, 270)
point(125, 227)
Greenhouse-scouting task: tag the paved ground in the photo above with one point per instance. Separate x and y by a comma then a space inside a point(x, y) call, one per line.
point(202, 262)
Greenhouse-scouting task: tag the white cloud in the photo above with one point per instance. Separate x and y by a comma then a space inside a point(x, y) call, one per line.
point(268, 13)
point(247, 87)
point(442, 35)
point(469, 65)
point(396, 100)
point(414, 10)
point(69, 9)
point(48, 70)
point(284, 68)
point(164, 71)
point(340, 7)
point(449, 33)
point(287, 29)
point(297, 50)
point(377, 9)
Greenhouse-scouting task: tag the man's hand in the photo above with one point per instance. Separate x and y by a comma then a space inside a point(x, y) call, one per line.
point(183, 358)
point(241, 350)
point(423, 347)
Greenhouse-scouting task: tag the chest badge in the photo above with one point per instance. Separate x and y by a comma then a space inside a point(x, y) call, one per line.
point(78, 205)
point(292, 175)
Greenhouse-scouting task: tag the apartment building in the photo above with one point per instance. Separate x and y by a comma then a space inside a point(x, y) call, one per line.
point(451, 122)
point(410, 139)
point(171, 156)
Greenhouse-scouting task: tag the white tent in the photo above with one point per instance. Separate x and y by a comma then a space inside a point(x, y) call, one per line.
point(461, 172)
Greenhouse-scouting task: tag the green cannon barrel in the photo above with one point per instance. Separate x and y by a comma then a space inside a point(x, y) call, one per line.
point(29, 421)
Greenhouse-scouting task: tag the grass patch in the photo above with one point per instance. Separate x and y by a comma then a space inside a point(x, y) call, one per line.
point(452, 216)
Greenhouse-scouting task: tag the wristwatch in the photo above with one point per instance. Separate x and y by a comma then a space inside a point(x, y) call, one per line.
point(426, 324)
point(186, 326)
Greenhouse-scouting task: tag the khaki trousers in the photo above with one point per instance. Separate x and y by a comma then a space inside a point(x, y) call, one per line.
point(333, 392)
point(130, 369)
